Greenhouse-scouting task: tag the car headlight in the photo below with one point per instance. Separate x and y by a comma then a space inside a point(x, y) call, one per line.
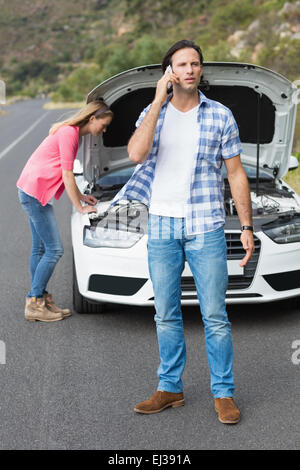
point(288, 233)
point(96, 237)
point(122, 226)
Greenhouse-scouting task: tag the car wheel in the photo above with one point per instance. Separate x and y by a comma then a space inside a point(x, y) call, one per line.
point(80, 303)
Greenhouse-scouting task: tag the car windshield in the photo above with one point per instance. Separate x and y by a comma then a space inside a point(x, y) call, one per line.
point(121, 176)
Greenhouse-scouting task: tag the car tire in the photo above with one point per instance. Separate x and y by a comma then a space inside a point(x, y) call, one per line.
point(80, 303)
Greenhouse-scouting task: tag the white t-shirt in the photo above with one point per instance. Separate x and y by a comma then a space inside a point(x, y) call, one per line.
point(178, 144)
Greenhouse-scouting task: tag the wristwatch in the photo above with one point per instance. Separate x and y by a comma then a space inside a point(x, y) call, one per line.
point(247, 227)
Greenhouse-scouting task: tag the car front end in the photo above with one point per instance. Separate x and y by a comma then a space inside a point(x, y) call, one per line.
point(110, 247)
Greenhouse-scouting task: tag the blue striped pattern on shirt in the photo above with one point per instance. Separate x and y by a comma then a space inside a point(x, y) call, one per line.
point(219, 140)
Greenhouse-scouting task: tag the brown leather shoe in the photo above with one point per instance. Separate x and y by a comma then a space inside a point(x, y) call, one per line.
point(159, 401)
point(54, 308)
point(36, 310)
point(228, 412)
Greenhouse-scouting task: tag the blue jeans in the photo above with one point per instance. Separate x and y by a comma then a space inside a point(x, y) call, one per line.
point(168, 248)
point(47, 247)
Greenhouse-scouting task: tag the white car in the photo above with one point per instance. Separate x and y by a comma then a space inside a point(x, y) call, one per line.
point(110, 248)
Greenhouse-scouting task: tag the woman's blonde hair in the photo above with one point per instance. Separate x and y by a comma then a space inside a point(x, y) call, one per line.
point(95, 108)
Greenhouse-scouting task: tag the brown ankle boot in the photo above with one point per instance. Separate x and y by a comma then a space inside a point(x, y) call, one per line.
point(35, 309)
point(159, 401)
point(54, 308)
point(227, 410)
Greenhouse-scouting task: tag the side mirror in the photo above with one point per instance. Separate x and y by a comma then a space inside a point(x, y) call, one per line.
point(77, 169)
point(293, 163)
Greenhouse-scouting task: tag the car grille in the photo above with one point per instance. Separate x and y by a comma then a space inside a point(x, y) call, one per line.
point(235, 251)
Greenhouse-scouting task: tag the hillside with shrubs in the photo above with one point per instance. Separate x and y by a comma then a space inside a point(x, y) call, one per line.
point(62, 49)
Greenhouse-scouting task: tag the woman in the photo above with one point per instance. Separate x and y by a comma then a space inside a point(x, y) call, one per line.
point(47, 173)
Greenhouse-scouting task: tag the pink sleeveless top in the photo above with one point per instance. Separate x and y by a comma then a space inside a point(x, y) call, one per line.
point(42, 174)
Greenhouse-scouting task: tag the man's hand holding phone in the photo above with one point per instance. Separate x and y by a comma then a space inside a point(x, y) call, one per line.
point(141, 141)
point(169, 69)
point(166, 81)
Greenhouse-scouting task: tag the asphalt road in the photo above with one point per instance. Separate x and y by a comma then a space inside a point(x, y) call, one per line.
point(73, 384)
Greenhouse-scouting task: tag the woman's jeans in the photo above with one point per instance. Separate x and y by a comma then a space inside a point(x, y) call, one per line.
point(168, 248)
point(47, 247)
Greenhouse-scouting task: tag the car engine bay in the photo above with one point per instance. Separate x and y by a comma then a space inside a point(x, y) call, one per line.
point(273, 198)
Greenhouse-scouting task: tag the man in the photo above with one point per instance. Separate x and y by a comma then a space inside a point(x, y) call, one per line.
point(180, 143)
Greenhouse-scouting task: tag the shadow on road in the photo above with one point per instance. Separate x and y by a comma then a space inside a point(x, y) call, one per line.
point(239, 314)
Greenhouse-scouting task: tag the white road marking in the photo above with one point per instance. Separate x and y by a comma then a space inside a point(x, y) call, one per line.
point(12, 145)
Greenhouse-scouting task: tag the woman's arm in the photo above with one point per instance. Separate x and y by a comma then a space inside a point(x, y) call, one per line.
point(75, 195)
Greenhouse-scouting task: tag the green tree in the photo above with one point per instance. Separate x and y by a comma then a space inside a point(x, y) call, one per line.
point(78, 84)
point(219, 52)
point(147, 50)
point(35, 68)
point(117, 61)
point(233, 15)
point(283, 57)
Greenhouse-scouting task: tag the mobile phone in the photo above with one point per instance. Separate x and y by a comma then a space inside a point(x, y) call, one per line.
point(170, 70)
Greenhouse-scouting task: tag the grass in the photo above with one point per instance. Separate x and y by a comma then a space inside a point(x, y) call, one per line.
point(13, 99)
point(293, 179)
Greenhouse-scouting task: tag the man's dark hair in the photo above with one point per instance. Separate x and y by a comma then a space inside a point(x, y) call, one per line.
point(176, 47)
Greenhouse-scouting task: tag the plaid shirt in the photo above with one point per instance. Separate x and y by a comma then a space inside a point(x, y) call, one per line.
point(219, 139)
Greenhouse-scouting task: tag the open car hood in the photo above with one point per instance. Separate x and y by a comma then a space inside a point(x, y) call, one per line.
point(263, 103)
